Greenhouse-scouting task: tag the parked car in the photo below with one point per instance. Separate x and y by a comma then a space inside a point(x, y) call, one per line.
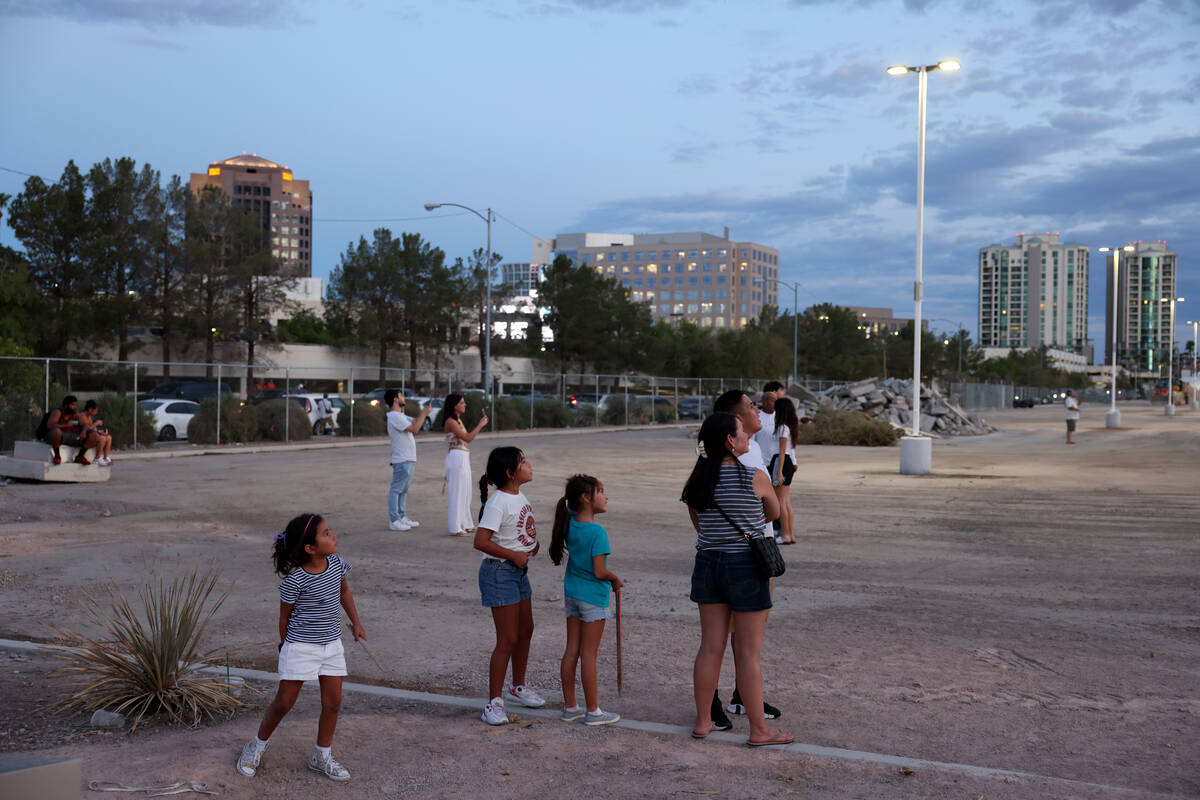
point(171, 417)
point(1023, 402)
point(436, 403)
point(375, 396)
point(694, 407)
point(187, 389)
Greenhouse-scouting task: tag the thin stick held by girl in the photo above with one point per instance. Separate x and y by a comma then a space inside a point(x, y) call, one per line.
point(587, 584)
point(311, 598)
point(507, 537)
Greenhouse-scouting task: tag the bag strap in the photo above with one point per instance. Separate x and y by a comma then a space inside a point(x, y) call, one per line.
point(728, 519)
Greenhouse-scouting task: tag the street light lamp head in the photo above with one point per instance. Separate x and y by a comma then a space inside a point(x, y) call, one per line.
point(949, 65)
point(432, 206)
point(899, 70)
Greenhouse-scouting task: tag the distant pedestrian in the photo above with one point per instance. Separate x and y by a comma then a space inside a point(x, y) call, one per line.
point(765, 437)
point(783, 465)
point(311, 598)
point(1072, 404)
point(458, 464)
point(507, 537)
point(587, 585)
point(400, 428)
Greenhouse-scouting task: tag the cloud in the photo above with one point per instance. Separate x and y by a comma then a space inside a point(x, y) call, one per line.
point(619, 6)
point(697, 85)
point(223, 13)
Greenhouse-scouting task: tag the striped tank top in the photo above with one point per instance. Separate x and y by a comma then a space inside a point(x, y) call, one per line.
point(735, 494)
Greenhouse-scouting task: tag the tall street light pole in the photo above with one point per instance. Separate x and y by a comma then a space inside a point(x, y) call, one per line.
point(487, 338)
point(916, 451)
point(795, 319)
point(1170, 409)
point(1113, 418)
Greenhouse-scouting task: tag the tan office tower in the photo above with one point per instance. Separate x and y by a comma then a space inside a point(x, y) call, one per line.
point(269, 191)
point(1034, 292)
point(1146, 284)
point(708, 280)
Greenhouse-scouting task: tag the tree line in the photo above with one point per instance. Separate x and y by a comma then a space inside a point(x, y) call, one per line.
point(118, 247)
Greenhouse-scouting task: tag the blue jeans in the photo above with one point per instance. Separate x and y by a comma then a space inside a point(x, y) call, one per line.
point(397, 493)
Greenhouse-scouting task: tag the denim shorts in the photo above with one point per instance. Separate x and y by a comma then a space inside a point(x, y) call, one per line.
point(730, 579)
point(503, 583)
point(574, 607)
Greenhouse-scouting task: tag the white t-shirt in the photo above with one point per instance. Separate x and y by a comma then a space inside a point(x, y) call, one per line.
point(404, 446)
point(768, 443)
point(752, 458)
point(510, 518)
point(1072, 407)
point(782, 432)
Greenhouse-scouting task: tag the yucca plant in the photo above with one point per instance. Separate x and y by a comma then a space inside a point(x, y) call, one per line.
point(149, 663)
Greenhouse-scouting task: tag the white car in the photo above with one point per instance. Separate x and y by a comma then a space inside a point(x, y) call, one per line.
point(322, 410)
point(171, 417)
point(437, 404)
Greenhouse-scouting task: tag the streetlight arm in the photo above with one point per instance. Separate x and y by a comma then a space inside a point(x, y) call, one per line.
point(434, 206)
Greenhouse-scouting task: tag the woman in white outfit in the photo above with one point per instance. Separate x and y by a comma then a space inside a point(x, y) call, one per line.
point(458, 465)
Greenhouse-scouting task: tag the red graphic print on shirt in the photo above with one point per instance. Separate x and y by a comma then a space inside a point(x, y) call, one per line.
point(526, 530)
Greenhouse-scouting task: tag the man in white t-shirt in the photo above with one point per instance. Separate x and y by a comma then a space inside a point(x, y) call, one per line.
point(768, 443)
point(1072, 405)
point(400, 428)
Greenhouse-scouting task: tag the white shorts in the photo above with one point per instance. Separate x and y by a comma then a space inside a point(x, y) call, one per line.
point(301, 661)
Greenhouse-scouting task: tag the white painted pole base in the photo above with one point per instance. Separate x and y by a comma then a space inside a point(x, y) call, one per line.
point(1195, 405)
point(1112, 419)
point(1169, 409)
point(916, 455)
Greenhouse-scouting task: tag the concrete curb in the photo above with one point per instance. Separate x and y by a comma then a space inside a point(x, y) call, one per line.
point(659, 728)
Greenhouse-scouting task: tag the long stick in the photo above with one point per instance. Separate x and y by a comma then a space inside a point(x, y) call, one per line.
point(373, 658)
point(620, 665)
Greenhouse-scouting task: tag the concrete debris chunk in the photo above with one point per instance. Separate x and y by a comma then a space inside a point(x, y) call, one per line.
point(890, 400)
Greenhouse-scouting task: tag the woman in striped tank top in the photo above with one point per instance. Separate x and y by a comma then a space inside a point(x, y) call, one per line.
point(728, 501)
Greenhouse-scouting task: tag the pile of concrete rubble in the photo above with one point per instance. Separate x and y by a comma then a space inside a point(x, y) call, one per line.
point(891, 400)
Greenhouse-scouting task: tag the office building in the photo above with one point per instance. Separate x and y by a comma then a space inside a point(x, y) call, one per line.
point(1146, 282)
point(709, 280)
point(1034, 292)
point(874, 321)
point(520, 279)
point(270, 192)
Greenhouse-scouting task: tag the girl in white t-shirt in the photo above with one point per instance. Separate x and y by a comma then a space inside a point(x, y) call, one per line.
point(508, 539)
point(783, 465)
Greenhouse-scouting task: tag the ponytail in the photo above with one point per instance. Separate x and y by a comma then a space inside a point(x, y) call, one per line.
point(288, 551)
point(578, 487)
point(483, 492)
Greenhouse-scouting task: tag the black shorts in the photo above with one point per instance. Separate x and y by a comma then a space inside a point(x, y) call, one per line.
point(789, 469)
point(730, 578)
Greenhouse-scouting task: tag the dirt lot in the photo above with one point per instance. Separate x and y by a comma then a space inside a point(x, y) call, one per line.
point(1030, 607)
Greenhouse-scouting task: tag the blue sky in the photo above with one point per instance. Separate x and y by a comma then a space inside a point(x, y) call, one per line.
point(774, 117)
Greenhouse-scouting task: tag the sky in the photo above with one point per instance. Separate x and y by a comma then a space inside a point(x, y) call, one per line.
point(772, 117)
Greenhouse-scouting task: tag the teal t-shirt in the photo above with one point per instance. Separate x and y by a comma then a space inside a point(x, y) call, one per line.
point(585, 540)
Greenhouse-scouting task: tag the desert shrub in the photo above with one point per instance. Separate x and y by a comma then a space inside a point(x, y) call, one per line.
point(368, 420)
point(20, 414)
point(584, 417)
point(854, 428)
point(273, 425)
point(550, 413)
point(613, 412)
point(146, 660)
point(663, 413)
point(117, 412)
point(512, 413)
point(238, 423)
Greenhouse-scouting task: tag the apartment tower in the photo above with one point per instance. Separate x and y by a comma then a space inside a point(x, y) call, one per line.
point(268, 191)
point(708, 280)
point(1034, 292)
point(1146, 283)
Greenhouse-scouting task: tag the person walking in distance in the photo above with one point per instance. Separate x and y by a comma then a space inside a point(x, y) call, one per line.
point(1072, 405)
point(400, 428)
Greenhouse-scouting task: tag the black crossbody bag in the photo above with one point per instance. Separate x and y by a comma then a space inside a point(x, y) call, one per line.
point(766, 552)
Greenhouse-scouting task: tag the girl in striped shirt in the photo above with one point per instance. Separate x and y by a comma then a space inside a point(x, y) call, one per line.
point(311, 598)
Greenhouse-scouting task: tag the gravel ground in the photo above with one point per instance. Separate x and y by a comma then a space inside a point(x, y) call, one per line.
point(1029, 607)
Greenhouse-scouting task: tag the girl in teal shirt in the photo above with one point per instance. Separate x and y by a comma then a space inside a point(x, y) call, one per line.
point(586, 587)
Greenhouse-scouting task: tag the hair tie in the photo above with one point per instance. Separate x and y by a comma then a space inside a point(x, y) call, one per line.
point(700, 451)
point(280, 535)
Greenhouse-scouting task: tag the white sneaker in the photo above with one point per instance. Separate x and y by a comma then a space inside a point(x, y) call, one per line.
point(328, 767)
point(572, 714)
point(249, 760)
point(412, 523)
point(494, 713)
point(601, 717)
point(399, 525)
point(525, 696)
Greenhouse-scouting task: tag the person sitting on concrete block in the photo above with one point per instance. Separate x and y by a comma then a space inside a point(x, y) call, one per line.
point(64, 427)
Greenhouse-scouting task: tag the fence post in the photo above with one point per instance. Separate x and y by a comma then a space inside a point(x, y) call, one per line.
point(218, 404)
point(626, 403)
point(352, 402)
point(46, 407)
point(135, 405)
point(677, 401)
point(596, 405)
point(287, 410)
